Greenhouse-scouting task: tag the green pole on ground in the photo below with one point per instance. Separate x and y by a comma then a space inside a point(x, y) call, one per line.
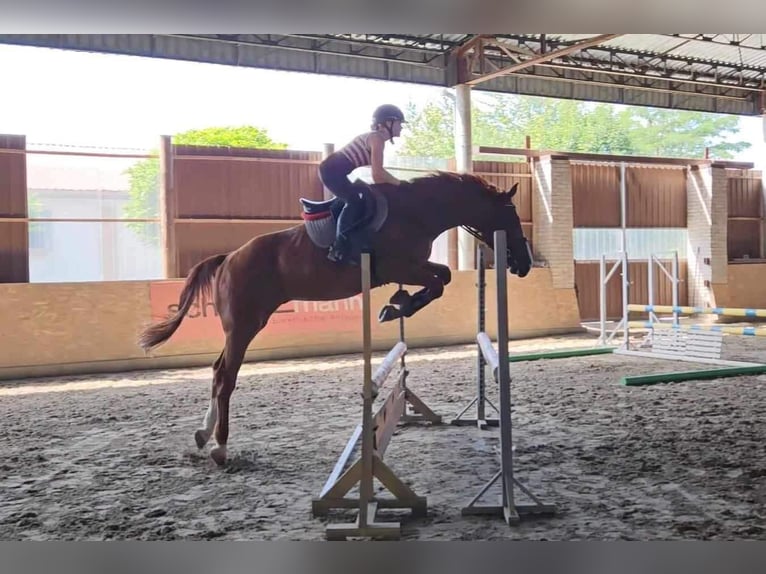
point(562, 354)
point(639, 380)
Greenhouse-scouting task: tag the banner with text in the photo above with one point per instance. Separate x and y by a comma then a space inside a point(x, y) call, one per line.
point(296, 317)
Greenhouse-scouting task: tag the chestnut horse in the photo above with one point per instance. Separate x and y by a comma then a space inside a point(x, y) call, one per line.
point(250, 283)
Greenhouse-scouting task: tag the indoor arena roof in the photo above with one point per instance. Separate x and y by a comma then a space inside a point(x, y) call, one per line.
point(723, 73)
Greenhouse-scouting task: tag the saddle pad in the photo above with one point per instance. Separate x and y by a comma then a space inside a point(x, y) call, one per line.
point(321, 230)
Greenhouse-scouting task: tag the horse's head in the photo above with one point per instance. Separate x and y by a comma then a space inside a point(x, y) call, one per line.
point(519, 255)
point(472, 202)
point(502, 215)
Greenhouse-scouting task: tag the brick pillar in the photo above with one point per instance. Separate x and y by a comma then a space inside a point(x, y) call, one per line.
point(552, 214)
point(707, 216)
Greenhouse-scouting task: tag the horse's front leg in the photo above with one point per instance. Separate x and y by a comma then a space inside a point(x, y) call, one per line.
point(431, 276)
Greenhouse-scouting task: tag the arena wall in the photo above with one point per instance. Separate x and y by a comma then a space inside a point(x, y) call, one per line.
point(744, 286)
point(76, 328)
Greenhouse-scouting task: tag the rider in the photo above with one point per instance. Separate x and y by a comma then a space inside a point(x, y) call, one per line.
point(365, 149)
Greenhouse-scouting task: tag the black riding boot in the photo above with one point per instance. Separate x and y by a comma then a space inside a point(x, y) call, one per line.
point(349, 216)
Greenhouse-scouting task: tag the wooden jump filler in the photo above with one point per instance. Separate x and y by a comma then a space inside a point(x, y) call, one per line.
point(375, 432)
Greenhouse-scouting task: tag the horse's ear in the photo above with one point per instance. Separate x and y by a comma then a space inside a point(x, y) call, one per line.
point(507, 196)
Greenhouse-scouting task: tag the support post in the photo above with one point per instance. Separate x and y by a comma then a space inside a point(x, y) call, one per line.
point(499, 361)
point(623, 209)
point(327, 149)
point(504, 380)
point(375, 433)
point(464, 164)
point(674, 285)
point(480, 400)
point(625, 298)
point(650, 282)
point(168, 210)
point(365, 482)
point(605, 276)
point(602, 299)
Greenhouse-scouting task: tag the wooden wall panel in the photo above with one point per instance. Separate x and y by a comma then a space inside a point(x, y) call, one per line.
point(744, 239)
point(504, 175)
point(199, 240)
point(14, 235)
point(243, 183)
point(745, 202)
point(64, 328)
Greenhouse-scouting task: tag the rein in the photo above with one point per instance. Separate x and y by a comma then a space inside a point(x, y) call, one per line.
point(474, 232)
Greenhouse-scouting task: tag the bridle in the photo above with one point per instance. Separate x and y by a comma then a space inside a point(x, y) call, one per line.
point(509, 256)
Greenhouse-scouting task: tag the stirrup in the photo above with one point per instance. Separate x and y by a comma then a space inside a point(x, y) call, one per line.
point(338, 255)
point(335, 254)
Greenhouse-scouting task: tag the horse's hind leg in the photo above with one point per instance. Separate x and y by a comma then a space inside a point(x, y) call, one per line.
point(202, 435)
point(225, 372)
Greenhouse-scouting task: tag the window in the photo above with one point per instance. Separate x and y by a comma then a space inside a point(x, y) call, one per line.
point(41, 232)
point(591, 243)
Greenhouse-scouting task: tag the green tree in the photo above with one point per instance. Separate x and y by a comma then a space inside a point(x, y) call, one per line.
point(569, 125)
point(684, 134)
point(234, 136)
point(430, 131)
point(144, 176)
point(34, 210)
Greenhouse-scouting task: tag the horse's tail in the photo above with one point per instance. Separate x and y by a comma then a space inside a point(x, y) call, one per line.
point(199, 281)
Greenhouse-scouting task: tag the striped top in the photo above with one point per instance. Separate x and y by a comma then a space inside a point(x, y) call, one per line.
point(358, 150)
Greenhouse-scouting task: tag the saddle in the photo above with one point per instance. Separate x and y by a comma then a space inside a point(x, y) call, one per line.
point(320, 217)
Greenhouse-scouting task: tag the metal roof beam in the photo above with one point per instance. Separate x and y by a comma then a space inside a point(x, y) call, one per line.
point(540, 58)
point(711, 39)
point(589, 75)
point(618, 51)
point(307, 45)
point(625, 84)
point(682, 75)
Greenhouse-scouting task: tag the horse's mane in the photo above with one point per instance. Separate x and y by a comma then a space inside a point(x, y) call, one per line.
point(451, 177)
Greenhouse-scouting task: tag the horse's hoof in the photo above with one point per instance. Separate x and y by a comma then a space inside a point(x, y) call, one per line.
point(388, 313)
point(201, 436)
point(218, 454)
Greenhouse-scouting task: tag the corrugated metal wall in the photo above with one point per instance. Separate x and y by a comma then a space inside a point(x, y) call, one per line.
point(587, 287)
point(655, 197)
point(746, 210)
point(14, 235)
point(595, 195)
